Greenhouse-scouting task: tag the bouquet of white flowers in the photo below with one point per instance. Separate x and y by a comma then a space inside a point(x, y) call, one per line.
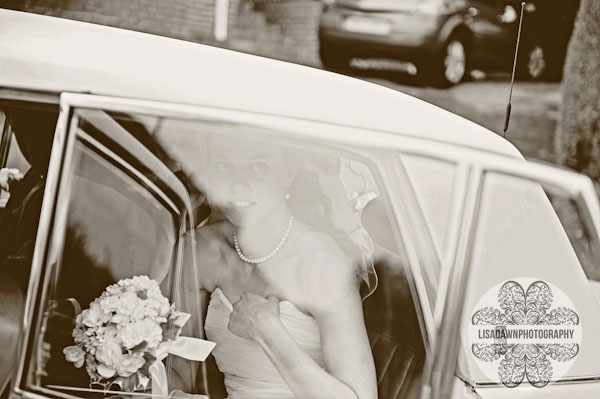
point(123, 332)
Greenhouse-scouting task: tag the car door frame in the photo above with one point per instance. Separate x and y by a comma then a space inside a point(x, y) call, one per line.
point(53, 219)
point(469, 172)
point(320, 131)
point(442, 370)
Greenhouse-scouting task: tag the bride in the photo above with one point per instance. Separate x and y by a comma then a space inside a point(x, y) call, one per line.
point(285, 310)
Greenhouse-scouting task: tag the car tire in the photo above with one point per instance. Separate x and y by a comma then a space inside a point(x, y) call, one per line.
point(450, 65)
point(334, 59)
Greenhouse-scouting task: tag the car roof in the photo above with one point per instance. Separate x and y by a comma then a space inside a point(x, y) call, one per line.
point(49, 54)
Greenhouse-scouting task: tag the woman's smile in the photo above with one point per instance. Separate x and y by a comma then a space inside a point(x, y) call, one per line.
point(241, 204)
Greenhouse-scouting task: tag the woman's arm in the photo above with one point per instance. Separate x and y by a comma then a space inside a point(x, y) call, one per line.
point(332, 296)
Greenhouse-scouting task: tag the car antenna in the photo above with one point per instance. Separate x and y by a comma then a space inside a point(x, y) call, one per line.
point(512, 78)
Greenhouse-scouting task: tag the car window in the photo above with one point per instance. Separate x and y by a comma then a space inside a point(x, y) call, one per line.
point(337, 191)
point(428, 192)
point(117, 224)
point(534, 238)
point(120, 222)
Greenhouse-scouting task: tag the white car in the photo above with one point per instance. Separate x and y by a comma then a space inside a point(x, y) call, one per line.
point(451, 214)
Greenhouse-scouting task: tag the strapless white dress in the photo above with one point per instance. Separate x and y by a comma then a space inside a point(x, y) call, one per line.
point(249, 373)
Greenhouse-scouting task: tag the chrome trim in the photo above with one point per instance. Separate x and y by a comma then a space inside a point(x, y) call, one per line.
point(50, 194)
point(307, 129)
point(556, 179)
point(86, 138)
point(33, 96)
point(442, 369)
point(48, 247)
point(414, 268)
point(461, 184)
point(30, 395)
point(562, 381)
point(52, 393)
point(401, 167)
point(114, 131)
point(363, 138)
point(57, 230)
point(380, 176)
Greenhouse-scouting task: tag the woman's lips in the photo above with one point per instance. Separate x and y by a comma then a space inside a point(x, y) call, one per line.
point(241, 204)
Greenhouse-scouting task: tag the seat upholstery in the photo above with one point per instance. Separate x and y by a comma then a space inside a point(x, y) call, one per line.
point(394, 333)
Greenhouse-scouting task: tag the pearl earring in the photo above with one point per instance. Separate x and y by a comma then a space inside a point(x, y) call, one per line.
point(287, 195)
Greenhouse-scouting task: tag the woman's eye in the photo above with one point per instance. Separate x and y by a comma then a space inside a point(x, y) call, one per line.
point(259, 166)
point(223, 166)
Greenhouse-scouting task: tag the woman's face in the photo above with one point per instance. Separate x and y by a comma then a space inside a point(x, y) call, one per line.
point(247, 179)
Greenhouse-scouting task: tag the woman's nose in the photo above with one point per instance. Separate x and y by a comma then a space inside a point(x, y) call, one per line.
point(239, 184)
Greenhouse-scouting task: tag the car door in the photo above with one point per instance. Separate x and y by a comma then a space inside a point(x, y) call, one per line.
point(494, 26)
point(531, 230)
point(112, 209)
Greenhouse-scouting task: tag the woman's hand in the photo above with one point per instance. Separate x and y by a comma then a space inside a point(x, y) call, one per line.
point(253, 316)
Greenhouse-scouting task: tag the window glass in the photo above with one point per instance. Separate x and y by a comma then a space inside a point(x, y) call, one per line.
point(530, 233)
point(116, 228)
point(119, 225)
point(427, 194)
point(334, 191)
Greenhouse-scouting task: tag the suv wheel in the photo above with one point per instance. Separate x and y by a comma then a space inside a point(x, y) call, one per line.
point(450, 66)
point(454, 61)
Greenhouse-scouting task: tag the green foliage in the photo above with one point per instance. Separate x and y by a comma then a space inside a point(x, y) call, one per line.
point(577, 142)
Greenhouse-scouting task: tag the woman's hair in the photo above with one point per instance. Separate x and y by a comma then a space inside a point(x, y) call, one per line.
point(309, 202)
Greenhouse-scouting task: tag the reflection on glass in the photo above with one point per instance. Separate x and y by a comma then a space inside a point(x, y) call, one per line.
point(526, 230)
point(115, 229)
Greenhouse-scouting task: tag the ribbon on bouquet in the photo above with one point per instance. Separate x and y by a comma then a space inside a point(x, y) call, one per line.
point(189, 348)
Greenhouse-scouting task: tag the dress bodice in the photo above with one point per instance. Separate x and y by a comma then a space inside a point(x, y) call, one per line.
point(248, 371)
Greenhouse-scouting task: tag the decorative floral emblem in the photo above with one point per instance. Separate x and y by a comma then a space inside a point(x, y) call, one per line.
point(525, 335)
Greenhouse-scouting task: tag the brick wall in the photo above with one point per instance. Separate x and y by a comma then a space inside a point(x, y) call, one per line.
point(281, 29)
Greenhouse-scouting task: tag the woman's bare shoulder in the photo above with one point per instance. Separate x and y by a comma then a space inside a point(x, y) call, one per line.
point(324, 267)
point(312, 241)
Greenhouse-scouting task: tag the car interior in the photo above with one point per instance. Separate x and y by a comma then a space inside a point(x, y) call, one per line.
point(391, 318)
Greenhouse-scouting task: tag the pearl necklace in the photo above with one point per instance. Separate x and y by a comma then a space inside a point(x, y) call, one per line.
point(265, 258)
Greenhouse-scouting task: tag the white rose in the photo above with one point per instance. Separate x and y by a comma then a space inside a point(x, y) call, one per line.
point(109, 353)
point(109, 303)
point(95, 316)
point(113, 290)
point(120, 319)
point(157, 306)
point(129, 304)
point(129, 365)
point(145, 283)
point(75, 355)
point(138, 332)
